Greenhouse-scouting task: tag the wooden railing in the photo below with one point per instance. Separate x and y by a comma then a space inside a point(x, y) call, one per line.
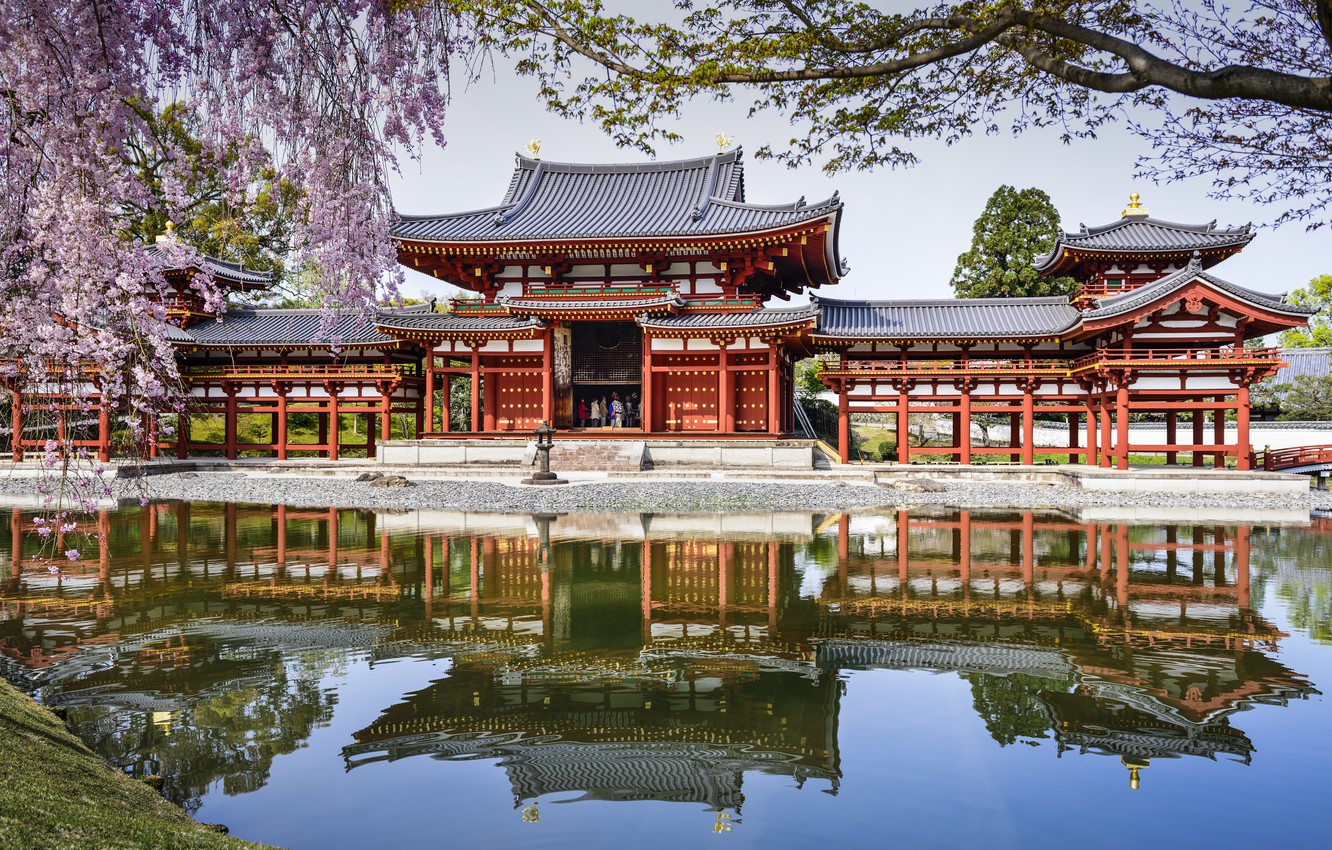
point(1175, 356)
point(301, 370)
point(974, 364)
point(1278, 459)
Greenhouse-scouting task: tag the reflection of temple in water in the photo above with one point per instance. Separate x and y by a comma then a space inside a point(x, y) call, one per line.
point(653, 656)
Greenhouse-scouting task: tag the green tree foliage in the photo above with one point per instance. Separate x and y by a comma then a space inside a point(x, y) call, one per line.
point(1308, 398)
point(1319, 333)
point(1011, 705)
point(1017, 226)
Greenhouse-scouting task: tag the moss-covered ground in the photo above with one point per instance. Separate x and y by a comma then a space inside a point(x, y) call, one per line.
point(55, 793)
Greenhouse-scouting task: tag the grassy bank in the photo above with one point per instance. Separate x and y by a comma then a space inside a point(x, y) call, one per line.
point(55, 793)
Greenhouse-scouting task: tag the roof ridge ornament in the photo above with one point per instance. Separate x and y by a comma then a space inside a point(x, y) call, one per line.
point(1135, 208)
point(533, 148)
point(723, 142)
point(1195, 262)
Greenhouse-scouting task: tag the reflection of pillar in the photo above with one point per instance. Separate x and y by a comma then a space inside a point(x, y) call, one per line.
point(723, 581)
point(333, 516)
point(1089, 531)
point(964, 551)
point(229, 529)
point(1218, 556)
point(1197, 555)
point(182, 532)
point(1106, 555)
point(428, 579)
point(104, 544)
point(772, 587)
point(15, 543)
point(1028, 550)
point(1242, 565)
point(1172, 551)
point(475, 568)
point(384, 554)
point(903, 549)
point(1122, 568)
point(281, 539)
point(546, 606)
point(645, 578)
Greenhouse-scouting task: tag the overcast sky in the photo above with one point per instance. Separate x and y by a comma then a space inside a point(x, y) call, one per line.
point(901, 230)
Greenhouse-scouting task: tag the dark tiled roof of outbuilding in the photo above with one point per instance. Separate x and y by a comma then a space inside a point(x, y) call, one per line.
point(961, 318)
point(753, 319)
point(1143, 234)
point(523, 306)
point(1124, 302)
point(1304, 362)
point(286, 328)
point(557, 200)
point(453, 322)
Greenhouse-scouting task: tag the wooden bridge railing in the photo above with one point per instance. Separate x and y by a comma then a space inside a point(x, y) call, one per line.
point(1278, 459)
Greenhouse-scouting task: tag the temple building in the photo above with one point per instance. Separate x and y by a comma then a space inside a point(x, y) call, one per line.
point(635, 303)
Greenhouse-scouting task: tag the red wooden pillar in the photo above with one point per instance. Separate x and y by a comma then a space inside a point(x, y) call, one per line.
point(430, 388)
point(182, 435)
point(1015, 436)
point(775, 401)
point(1172, 435)
point(962, 426)
point(1244, 450)
point(1093, 458)
point(154, 438)
point(1121, 427)
point(369, 435)
point(16, 444)
point(725, 391)
point(903, 425)
point(1219, 433)
point(1199, 415)
point(1106, 441)
point(491, 401)
point(280, 432)
point(334, 429)
point(1028, 425)
point(229, 430)
point(1073, 429)
point(103, 432)
point(548, 376)
point(844, 423)
point(646, 407)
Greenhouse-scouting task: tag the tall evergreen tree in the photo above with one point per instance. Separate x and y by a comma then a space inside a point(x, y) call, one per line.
point(1319, 333)
point(1016, 227)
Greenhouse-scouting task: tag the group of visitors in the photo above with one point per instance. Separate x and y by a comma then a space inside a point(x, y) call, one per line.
point(615, 412)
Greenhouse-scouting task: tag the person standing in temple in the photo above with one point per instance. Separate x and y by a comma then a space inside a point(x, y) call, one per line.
point(616, 410)
point(596, 413)
point(582, 413)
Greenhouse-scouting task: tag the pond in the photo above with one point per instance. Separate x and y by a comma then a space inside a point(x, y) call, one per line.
point(939, 678)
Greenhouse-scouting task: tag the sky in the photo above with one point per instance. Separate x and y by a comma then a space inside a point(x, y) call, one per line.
point(902, 230)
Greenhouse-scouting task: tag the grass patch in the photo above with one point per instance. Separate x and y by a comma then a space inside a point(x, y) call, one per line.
point(56, 793)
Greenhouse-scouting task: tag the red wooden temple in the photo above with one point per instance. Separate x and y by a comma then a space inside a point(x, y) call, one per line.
point(649, 285)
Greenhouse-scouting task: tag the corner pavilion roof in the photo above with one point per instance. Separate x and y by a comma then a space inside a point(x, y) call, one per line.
point(548, 201)
point(232, 273)
point(960, 318)
point(1144, 235)
point(1127, 301)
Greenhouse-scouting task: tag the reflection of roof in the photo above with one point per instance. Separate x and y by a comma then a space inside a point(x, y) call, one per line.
point(997, 658)
point(1112, 727)
point(557, 200)
point(962, 318)
point(1143, 234)
point(1127, 301)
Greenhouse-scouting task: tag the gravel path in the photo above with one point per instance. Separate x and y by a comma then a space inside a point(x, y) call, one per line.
point(666, 495)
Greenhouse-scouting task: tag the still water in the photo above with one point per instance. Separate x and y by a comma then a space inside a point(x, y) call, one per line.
point(345, 679)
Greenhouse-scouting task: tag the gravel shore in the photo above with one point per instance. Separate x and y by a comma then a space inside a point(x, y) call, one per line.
point(656, 495)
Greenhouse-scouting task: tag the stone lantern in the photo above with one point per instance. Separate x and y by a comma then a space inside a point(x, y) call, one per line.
point(545, 441)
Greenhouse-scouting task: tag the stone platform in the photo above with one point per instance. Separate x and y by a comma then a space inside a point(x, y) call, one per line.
point(604, 454)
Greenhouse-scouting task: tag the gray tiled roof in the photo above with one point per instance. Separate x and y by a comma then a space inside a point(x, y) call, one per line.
point(755, 318)
point(961, 318)
point(556, 200)
point(521, 306)
point(230, 272)
point(453, 322)
point(1143, 234)
point(1304, 362)
point(1126, 301)
point(285, 328)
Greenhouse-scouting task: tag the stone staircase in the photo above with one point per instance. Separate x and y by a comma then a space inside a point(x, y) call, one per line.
point(592, 455)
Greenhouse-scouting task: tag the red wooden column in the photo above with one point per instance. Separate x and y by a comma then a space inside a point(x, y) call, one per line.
point(280, 433)
point(844, 423)
point(1028, 424)
point(369, 435)
point(386, 411)
point(103, 433)
point(1121, 427)
point(725, 390)
point(548, 376)
point(476, 394)
point(1172, 435)
point(1219, 433)
point(229, 429)
point(154, 438)
point(774, 388)
point(182, 435)
point(16, 444)
point(1198, 416)
point(962, 425)
point(1244, 449)
point(903, 424)
point(1093, 458)
point(334, 430)
point(646, 401)
point(430, 388)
